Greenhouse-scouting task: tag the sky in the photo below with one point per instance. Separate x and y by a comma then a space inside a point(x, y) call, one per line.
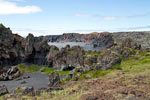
point(51, 17)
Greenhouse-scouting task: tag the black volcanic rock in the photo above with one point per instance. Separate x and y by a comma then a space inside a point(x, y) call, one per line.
point(54, 82)
point(10, 74)
point(36, 50)
point(11, 50)
point(66, 58)
point(3, 90)
point(14, 49)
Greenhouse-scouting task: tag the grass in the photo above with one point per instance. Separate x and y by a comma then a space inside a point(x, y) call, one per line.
point(131, 66)
point(35, 68)
point(99, 73)
point(31, 68)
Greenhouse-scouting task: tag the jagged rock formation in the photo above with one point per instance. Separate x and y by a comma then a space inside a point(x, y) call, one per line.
point(11, 50)
point(14, 49)
point(54, 82)
point(67, 58)
point(36, 50)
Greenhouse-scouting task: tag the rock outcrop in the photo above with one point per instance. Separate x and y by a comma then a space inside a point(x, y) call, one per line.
point(104, 39)
point(11, 50)
point(36, 50)
point(3, 90)
point(139, 37)
point(10, 74)
point(14, 49)
point(54, 82)
point(24, 90)
point(67, 58)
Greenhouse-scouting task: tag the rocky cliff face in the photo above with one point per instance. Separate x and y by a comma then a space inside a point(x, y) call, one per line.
point(36, 50)
point(103, 40)
point(11, 50)
point(14, 49)
point(67, 58)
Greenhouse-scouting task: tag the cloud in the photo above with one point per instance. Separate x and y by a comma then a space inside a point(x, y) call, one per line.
point(136, 28)
point(125, 17)
point(112, 17)
point(82, 15)
point(7, 8)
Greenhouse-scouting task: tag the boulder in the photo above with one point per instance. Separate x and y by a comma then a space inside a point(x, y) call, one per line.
point(10, 74)
point(3, 90)
point(24, 90)
point(108, 62)
point(54, 81)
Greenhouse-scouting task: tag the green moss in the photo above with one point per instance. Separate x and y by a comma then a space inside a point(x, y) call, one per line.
point(35, 68)
point(118, 67)
point(94, 74)
point(32, 68)
point(92, 53)
point(19, 91)
point(62, 72)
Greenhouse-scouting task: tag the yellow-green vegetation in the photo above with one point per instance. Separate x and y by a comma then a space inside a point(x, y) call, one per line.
point(19, 91)
point(35, 68)
point(31, 68)
point(99, 73)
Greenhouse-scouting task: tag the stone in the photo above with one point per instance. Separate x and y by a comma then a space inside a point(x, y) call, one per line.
point(54, 79)
point(42, 69)
point(23, 82)
point(67, 58)
point(54, 82)
point(25, 90)
point(10, 74)
point(26, 77)
point(3, 90)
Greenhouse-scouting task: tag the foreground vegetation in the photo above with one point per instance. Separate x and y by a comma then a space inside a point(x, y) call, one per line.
point(129, 79)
